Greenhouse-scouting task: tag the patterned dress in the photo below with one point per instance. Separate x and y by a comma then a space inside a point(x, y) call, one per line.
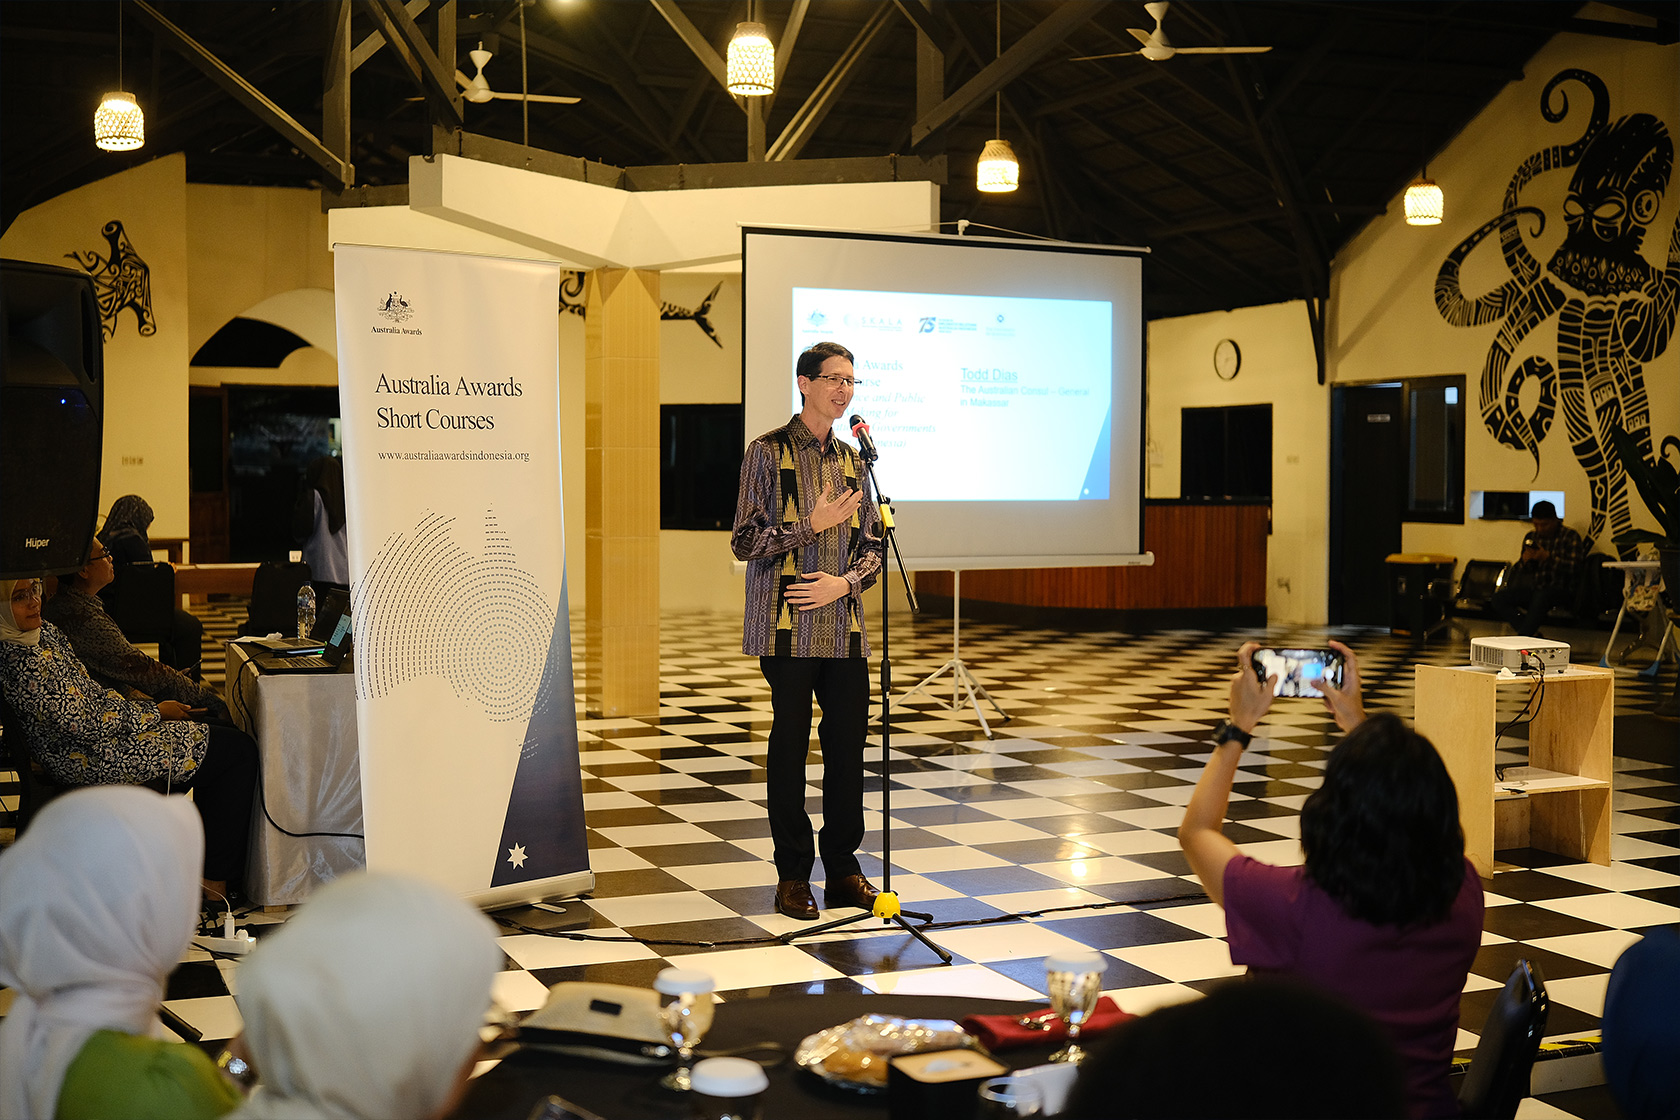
point(85, 734)
point(112, 660)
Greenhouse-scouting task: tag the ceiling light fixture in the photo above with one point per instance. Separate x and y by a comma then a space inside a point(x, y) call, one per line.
point(1424, 201)
point(751, 67)
point(998, 171)
point(118, 123)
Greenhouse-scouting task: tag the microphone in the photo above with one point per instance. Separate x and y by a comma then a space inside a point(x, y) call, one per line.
point(866, 445)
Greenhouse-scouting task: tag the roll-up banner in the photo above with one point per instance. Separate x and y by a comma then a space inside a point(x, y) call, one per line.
point(448, 386)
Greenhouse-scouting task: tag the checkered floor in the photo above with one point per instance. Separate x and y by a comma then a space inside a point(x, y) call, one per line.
point(1067, 817)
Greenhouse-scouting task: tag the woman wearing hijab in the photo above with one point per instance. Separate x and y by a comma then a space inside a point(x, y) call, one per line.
point(318, 521)
point(85, 734)
point(368, 1003)
point(98, 900)
point(110, 658)
point(125, 540)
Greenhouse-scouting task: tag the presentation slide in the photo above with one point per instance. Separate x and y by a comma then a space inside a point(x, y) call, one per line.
point(1002, 380)
point(950, 380)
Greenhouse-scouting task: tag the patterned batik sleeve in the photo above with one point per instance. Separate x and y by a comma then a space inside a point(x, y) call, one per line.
point(106, 652)
point(759, 532)
point(871, 549)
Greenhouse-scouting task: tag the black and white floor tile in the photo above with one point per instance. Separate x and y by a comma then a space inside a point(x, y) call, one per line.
point(1058, 831)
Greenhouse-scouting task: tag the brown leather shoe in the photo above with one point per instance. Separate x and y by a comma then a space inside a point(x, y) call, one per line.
point(853, 890)
point(793, 898)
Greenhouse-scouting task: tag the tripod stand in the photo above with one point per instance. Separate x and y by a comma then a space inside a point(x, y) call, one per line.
point(960, 676)
point(886, 903)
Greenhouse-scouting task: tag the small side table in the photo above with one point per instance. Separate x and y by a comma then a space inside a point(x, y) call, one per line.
point(1566, 786)
point(1636, 576)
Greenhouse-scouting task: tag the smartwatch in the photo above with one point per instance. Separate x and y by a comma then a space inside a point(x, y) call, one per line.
point(1228, 732)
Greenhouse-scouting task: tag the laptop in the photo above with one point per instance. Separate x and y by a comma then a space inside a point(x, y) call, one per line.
point(331, 637)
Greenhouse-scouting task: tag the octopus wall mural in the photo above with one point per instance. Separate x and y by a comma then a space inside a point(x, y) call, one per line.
point(121, 279)
point(1614, 311)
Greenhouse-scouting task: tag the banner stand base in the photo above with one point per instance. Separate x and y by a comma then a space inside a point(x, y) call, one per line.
point(546, 916)
point(534, 891)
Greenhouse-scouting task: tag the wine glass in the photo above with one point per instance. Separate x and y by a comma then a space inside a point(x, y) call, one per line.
point(1075, 981)
point(686, 1015)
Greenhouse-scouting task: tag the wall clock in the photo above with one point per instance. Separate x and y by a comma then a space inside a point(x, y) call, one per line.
point(1227, 359)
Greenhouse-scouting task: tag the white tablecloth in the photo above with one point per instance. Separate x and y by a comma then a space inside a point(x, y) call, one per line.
point(305, 728)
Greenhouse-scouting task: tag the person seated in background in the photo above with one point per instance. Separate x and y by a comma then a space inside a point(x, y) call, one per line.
point(98, 902)
point(1387, 913)
point(368, 1003)
point(1641, 1029)
point(1257, 1048)
point(110, 658)
point(318, 520)
point(124, 537)
point(85, 734)
point(1544, 576)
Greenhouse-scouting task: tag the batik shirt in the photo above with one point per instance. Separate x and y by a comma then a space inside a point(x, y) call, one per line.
point(783, 474)
point(113, 661)
point(84, 733)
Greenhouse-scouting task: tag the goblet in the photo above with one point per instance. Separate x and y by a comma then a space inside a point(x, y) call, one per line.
point(686, 1016)
point(1075, 981)
point(1004, 1098)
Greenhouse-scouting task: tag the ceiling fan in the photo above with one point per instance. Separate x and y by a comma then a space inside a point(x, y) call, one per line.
point(477, 89)
point(1157, 48)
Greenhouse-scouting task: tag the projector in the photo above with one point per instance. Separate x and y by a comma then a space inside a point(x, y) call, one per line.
point(1517, 653)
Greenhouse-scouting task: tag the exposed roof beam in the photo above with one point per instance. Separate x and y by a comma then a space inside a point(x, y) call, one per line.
point(370, 46)
point(435, 82)
point(784, 49)
point(245, 93)
point(810, 115)
point(1067, 18)
point(696, 42)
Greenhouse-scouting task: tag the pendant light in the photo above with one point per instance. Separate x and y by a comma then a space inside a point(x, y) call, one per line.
point(998, 171)
point(1424, 201)
point(118, 123)
point(751, 67)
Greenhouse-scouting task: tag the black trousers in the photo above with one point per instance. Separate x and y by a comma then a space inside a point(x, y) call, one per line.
point(222, 792)
point(841, 686)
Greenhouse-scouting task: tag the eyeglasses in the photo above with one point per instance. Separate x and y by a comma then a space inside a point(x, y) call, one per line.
point(102, 556)
point(835, 379)
point(27, 590)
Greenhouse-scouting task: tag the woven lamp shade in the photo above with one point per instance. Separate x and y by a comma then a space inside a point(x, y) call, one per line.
point(118, 123)
point(1424, 203)
point(751, 66)
point(998, 171)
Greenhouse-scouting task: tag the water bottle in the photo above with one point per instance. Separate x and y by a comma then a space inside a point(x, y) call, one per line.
point(306, 610)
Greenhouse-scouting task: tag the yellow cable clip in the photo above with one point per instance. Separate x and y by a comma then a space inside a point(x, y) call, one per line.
point(886, 515)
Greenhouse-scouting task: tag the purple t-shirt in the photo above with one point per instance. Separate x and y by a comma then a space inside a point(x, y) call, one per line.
point(1278, 920)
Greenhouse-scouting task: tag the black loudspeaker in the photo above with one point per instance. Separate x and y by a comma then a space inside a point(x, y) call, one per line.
point(51, 418)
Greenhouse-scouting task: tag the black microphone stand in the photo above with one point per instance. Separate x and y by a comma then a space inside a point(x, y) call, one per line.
point(886, 903)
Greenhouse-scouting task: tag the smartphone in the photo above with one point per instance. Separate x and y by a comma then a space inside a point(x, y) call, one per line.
point(1298, 671)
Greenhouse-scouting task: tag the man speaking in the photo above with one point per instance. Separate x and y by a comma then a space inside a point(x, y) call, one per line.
point(811, 534)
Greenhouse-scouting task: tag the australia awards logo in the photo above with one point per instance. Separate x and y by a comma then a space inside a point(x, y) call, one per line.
point(817, 319)
point(396, 308)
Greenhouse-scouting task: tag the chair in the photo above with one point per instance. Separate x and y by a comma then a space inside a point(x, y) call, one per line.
point(35, 789)
point(1498, 1077)
point(274, 592)
point(141, 601)
point(1476, 586)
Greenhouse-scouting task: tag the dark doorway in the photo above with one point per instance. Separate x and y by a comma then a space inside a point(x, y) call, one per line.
point(1226, 453)
point(207, 468)
point(1367, 498)
point(273, 433)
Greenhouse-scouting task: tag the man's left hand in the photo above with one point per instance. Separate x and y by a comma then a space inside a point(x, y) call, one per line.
point(819, 590)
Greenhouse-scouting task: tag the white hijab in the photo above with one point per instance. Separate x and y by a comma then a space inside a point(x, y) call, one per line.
point(98, 901)
point(368, 1003)
point(9, 631)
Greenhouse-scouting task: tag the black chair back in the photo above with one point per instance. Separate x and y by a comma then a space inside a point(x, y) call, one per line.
point(274, 591)
point(141, 600)
point(35, 789)
point(1498, 1077)
point(1477, 584)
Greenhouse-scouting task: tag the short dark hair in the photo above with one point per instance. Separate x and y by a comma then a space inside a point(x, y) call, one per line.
point(811, 361)
point(1381, 835)
point(1544, 510)
point(1283, 1048)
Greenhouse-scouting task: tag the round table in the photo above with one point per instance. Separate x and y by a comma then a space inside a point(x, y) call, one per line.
point(629, 1093)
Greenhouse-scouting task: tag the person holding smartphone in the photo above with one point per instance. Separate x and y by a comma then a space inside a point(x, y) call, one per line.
point(1386, 913)
point(110, 658)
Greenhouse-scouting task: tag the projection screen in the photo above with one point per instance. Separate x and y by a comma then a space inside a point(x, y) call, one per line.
point(1002, 381)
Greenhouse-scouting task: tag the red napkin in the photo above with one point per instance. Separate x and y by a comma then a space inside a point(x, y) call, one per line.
point(1002, 1032)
